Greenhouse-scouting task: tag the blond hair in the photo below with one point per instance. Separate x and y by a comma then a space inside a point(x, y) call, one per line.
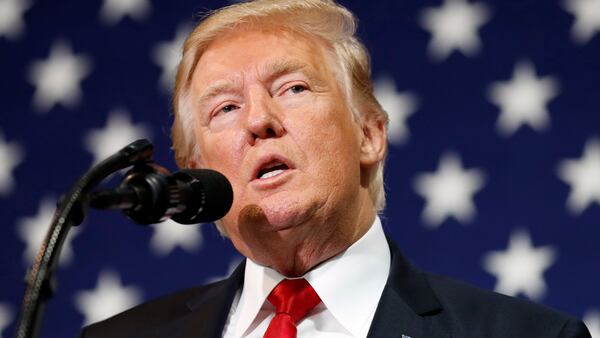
point(324, 19)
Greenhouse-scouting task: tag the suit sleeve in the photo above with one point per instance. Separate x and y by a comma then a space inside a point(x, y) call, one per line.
point(574, 329)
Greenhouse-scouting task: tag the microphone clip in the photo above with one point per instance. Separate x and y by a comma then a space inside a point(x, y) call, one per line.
point(143, 195)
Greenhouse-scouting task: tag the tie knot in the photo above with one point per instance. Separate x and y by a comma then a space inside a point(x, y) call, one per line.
point(294, 297)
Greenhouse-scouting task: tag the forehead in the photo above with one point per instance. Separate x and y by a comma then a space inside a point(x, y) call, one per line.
point(261, 51)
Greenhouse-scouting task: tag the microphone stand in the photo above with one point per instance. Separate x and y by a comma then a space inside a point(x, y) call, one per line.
point(70, 212)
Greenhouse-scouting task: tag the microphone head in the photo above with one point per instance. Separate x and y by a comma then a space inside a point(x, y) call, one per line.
point(211, 198)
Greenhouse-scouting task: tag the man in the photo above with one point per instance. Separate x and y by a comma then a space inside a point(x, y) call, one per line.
point(277, 96)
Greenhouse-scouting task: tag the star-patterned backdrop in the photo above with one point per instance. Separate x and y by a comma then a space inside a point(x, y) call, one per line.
point(493, 174)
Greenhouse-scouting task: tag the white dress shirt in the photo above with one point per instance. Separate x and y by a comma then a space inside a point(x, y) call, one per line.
point(349, 284)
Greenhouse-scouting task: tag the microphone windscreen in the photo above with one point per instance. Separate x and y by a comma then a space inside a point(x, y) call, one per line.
point(212, 195)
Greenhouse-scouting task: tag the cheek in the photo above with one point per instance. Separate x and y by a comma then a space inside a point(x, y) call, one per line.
point(224, 152)
point(221, 151)
point(331, 141)
point(335, 135)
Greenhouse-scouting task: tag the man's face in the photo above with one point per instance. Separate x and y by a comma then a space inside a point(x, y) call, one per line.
point(271, 116)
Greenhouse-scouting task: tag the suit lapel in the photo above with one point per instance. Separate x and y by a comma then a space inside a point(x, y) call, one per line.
point(408, 306)
point(208, 312)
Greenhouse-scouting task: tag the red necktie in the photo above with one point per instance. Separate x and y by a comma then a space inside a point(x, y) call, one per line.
point(293, 299)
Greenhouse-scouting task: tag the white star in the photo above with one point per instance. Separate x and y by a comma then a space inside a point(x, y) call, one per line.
point(454, 26)
point(57, 80)
point(169, 234)
point(583, 176)
point(520, 268)
point(33, 230)
point(399, 106)
point(114, 11)
point(6, 316)
point(118, 133)
point(109, 298)
point(167, 55)
point(10, 156)
point(449, 191)
point(11, 18)
point(592, 321)
point(587, 19)
point(523, 99)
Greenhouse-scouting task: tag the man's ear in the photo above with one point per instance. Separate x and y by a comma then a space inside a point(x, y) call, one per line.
point(374, 142)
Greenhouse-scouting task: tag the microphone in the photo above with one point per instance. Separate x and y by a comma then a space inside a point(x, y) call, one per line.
point(150, 194)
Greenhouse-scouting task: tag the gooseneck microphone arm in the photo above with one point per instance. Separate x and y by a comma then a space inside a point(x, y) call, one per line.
point(70, 211)
point(148, 194)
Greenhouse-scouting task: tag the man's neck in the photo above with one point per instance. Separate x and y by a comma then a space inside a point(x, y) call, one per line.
point(318, 248)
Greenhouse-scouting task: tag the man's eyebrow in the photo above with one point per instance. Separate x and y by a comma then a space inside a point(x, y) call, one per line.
point(277, 68)
point(216, 89)
point(268, 73)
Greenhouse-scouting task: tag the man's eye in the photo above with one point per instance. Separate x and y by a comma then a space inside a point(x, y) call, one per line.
point(297, 89)
point(228, 108)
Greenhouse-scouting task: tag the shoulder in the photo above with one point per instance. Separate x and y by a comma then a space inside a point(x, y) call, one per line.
point(448, 305)
point(150, 316)
point(474, 310)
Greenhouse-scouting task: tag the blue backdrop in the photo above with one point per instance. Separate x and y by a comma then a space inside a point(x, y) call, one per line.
point(493, 174)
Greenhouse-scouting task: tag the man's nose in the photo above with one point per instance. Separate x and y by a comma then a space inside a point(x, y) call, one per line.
point(264, 118)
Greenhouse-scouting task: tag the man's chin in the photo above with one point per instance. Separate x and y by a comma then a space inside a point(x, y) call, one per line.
point(270, 218)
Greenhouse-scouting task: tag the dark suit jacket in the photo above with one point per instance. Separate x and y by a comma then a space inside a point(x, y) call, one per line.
point(413, 304)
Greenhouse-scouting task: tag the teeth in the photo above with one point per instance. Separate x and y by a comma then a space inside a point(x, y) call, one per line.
point(271, 174)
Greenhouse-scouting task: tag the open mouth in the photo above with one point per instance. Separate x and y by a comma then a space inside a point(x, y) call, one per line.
point(271, 170)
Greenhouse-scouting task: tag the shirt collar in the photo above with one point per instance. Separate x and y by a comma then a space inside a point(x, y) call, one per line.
point(349, 284)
